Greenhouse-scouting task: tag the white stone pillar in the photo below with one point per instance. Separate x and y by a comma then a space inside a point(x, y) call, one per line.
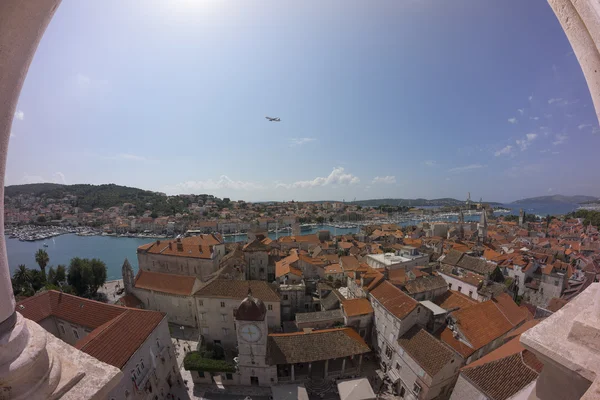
point(22, 24)
point(326, 368)
point(343, 365)
point(580, 20)
point(293, 374)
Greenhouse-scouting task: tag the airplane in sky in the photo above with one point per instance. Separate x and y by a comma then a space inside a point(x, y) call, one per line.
point(276, 119)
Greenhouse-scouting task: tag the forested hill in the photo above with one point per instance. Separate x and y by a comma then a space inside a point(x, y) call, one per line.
point(105, 196)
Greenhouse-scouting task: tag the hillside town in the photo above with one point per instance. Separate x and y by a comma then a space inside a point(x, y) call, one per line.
point(432, 311)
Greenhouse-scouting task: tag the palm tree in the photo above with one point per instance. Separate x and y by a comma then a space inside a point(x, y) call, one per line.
point(41, 257)
point(22, 276)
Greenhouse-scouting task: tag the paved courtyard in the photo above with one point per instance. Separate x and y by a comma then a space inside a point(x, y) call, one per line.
point(110, 288)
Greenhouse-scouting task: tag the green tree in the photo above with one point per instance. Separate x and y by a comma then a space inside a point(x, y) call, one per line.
point(86, 276)
point(51, 276)
point(154, 215)
point(61, 274)
point(330, 219)
point(98, 275)
point(22, 277)
point(42, 259)
point(320, 219)
point(497, 275)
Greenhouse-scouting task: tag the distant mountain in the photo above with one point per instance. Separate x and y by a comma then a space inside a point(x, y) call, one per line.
point(557, 199)
point(446, 201)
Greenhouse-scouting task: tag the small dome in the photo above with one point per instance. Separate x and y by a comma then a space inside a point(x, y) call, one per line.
point(251, 309)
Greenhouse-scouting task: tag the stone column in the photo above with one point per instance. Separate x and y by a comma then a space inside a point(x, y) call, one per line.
point(326, 368)
point(21, 27)
point(343, 365)
point(293, 373)
point(359, 362)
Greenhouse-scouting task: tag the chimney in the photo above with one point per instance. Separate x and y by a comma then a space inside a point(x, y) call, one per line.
point(158, 242)
point(170, 246)
point(179, 245)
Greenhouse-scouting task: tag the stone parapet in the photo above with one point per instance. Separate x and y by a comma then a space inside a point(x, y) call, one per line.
point(567, 344)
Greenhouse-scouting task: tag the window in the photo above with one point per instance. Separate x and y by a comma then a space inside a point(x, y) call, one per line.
point(306, 306)
point(222, 304)
point(388, 352)
point(142, 364)
point(133, 375)
point(418, 310)
point(449, 288)
point(417, 388)
point(254, 380)
point(470, 293)
point(225, 331)
point(285, 296)
point(202, 316)
point(460, 288)
point(76, 334)
point(224, 317)
point(229, 377)
point(402, 392)
point(398, 367)
point(556, 282)
point(201, 303)
point(200, 374)
point(270, 307)
point(261, 270)
point(137, 368)
point(62, 329)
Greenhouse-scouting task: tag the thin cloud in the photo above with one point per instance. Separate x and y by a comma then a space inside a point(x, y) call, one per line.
point(60, 178)
point(86, 82)
point(457, 170)
point(20, 115)
point(430, 163)
point(503, 151)
point(224, 182)
point(57, 177)
point(336, 177)
point(554, 100)
point(531, 98)
point(132, 157)
point(388, 180)
point(521, 111)
point(560, 139)
point(301, 141)
point(534, 118)
point(526, 141)
point(583, 126)
point(512, 120)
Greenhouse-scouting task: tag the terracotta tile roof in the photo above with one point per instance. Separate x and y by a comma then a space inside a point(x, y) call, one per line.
point(349, 263)
point(556, 304)
point(463, 349)
point(77, 310)
point(425, 284)
point(300, 347)
point(225, 288)
point(510, 309)
point(200, 246)
point(431, 354)
point(502, 378)
point(333, 269)
point(255, 245)
point(394, 300)
point(482, 323)
point(397, 276)
point(452, 299)
point(129, 300)
point(117, 332)
point(182, 285)
point(117, 341)
point(355, 307)
point(287, 265)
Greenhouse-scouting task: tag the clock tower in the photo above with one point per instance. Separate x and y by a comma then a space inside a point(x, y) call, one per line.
point(252, 332)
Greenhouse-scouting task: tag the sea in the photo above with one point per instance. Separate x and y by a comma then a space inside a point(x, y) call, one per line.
point(114, 250)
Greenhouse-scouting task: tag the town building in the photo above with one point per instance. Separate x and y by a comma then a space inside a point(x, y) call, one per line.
point(135, 341)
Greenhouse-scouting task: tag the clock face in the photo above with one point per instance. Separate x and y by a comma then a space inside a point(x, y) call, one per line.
point(250, 333)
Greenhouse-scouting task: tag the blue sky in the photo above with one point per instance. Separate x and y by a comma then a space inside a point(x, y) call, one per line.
point(409, 98)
